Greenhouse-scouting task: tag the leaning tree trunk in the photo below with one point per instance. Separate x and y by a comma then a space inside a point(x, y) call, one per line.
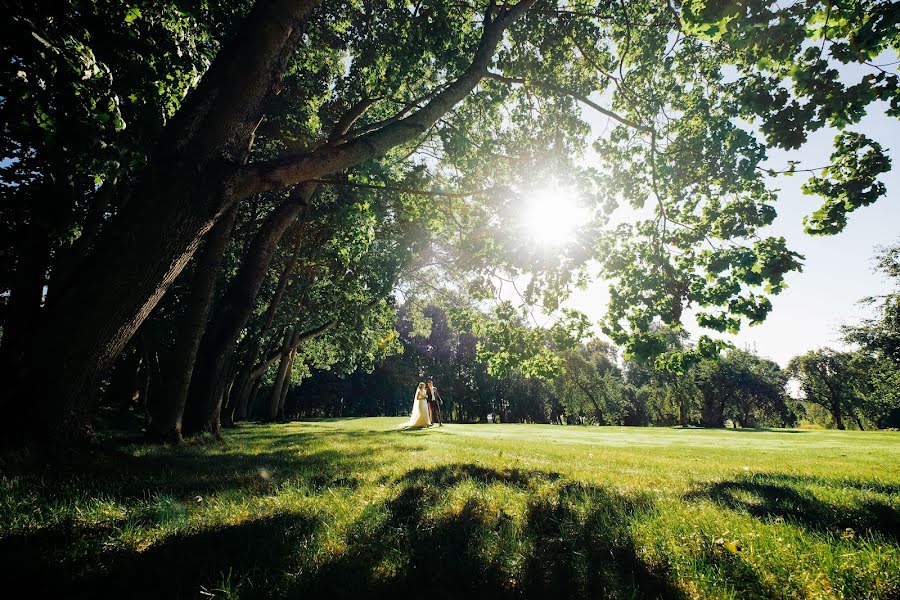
point(287, 385)
point(191, 181)
point(243, 381)
point(290, 338)
point(252, 396)
point(168, 410)
point(231, 316)
point(186, 187)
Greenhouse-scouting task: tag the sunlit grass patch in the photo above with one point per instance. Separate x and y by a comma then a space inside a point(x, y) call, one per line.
point(350, 508)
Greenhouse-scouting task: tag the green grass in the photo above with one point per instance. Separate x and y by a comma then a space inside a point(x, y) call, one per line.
point(352, 508)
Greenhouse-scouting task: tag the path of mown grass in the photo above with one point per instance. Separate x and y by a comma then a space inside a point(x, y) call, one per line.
point(353, 507)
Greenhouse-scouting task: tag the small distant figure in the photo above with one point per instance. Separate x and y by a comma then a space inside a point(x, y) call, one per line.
point(434, 403)
point(420, 411)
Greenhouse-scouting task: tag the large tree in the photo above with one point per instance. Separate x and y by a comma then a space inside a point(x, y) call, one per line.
point(832, 380)
point(879, 343)
point(485, 99)
point(743, 388)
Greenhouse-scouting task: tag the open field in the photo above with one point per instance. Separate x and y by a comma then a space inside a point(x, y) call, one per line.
point(353, 507)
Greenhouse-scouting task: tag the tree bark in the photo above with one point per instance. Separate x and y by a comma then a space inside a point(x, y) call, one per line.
point(232, 314)
point(184, 190)
point(290, 338)
point(287, 171)
point(252, 396)
point(286, 386)
point(26, 292)
point(238, 397)
point(168, 411)
point(836, 413)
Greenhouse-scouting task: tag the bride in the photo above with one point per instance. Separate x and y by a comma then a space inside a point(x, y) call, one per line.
point(419, 416)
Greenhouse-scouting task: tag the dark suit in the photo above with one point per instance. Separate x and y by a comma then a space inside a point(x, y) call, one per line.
point(434, 403)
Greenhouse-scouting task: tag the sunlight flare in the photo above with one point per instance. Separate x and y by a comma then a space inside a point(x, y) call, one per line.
point(552, 215)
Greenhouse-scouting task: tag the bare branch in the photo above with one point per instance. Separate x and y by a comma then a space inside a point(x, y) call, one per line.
point(563, 92)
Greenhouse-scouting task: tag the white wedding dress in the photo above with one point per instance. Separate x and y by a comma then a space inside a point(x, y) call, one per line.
point(419, 416)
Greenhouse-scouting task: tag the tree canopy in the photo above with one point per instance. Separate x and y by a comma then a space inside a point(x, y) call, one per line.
point(137, 133)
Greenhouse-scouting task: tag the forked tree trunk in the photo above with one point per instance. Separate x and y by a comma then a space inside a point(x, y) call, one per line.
point(168, 409)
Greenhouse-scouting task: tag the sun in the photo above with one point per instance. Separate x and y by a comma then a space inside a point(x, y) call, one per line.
point(551, 216)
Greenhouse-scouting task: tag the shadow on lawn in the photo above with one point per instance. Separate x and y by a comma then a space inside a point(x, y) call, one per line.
point(790, 497)
point(189, 471)
point(572, 540)
point(181, 566)
point(762, 430)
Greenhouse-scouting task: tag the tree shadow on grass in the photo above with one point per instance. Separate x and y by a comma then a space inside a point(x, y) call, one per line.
point(574, 540)
point(317, 460)
point(789, 497)
point(761, 430)
point(429, 539)
point(182, 566)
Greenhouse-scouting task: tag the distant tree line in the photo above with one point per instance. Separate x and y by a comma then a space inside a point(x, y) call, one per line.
point(842, 389)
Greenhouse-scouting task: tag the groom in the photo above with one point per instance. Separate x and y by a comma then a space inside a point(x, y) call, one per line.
point(434, 402)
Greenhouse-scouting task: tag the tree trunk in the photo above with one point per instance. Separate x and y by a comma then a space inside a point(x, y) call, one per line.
point(23, 307)
point(186, 187)
point(284, 365)
point(683, 407)
point(238, 397)
point(233, 312)
point(125, 380)
point(243, 387)
point(598, 412)
point(146, 374)
point(227, 406)
point(189, 183)
point(254, 394)
point(286, 386)
point(168, 410)
point(712, 412)
point(838, 416)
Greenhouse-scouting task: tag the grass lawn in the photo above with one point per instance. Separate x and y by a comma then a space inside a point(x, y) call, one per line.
point(355, 508)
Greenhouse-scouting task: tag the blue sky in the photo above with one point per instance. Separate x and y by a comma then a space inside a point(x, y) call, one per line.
point(838, 269)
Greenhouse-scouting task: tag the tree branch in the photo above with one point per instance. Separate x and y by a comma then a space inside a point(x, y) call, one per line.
point(405, 190)
point(563, 92)
point(284, 172)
